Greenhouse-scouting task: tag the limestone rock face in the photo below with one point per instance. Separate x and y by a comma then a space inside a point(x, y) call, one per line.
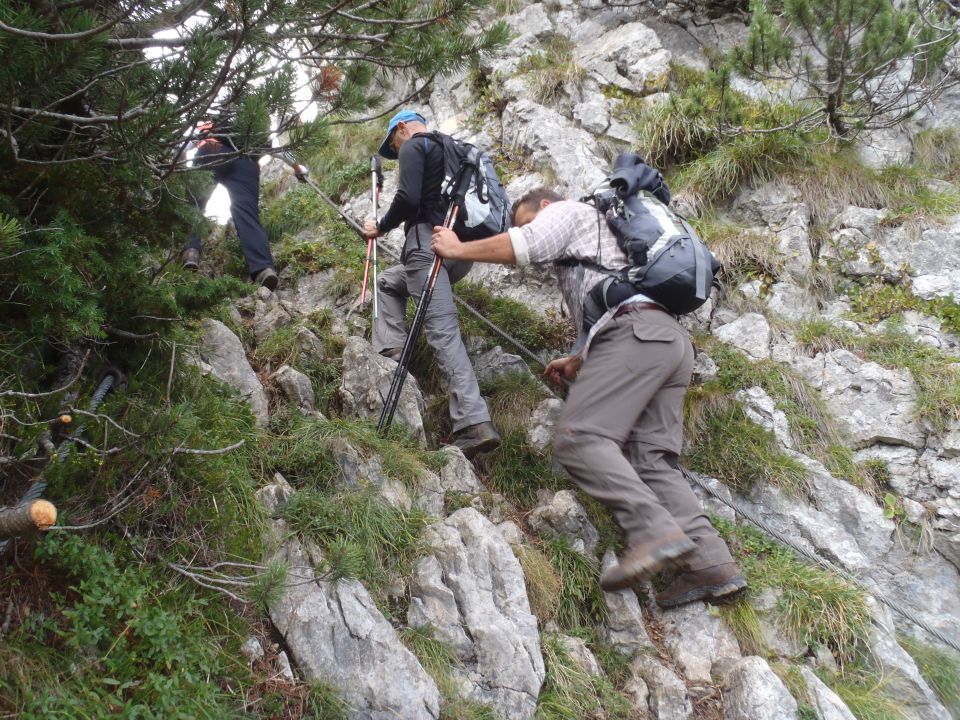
point(630, 57)
point(270, 314)
point(625, 630)
point(826, 704)
point(762, 410)
point(667, 696)
point(366, 383)
point(223, 353)
point(562, 515)
point(551, 139)
point(754, 692)
point(696, 639)
point(471, 591)
point(296, 387)
point(456, 477)
point(749, 333)
point(870, 403)
point(496, 362)
point(338, 635)
point(543, 422)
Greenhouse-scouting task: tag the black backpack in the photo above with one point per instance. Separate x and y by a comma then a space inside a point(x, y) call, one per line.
point(485, 208)
point(669, 262)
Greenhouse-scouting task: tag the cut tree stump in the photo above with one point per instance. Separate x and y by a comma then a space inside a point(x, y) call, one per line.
point(26, 519)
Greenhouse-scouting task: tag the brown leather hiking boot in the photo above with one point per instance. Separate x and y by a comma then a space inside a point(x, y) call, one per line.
point(720, 582)
point(644, 560)
point(474, 439)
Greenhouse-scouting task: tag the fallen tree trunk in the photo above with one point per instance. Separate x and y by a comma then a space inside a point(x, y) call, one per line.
point(27, 518)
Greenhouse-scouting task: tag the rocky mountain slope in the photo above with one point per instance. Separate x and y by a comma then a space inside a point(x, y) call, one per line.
point(826, 404)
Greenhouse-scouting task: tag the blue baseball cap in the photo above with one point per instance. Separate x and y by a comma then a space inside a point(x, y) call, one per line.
point(402, 116)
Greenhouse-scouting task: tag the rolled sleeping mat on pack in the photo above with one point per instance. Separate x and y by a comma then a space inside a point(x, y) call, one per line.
point(27, 518)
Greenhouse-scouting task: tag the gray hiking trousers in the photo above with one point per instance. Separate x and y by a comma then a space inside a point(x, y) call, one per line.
point(621, 432)
point(400, 282)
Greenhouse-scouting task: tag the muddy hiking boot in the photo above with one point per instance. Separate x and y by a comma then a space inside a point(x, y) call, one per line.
point(475, 439)
point(717, 583)
point(644, 560)
point(190, 258)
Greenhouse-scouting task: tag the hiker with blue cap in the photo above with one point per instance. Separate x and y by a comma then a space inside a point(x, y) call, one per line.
point(419, 206)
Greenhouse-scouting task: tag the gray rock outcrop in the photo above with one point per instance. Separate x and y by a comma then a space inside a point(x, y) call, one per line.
point(754, 692)
point(366, 383)
point(338, 636)
point(471, 592)
point(296, 387)
point(222, 352)
point(560, 514)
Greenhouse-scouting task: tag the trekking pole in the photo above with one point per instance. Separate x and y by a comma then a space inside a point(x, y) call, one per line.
point(376, 183)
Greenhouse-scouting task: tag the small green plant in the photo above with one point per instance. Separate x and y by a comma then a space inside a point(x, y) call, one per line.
point(518, 471)
point(724, 443)
point(109, 643)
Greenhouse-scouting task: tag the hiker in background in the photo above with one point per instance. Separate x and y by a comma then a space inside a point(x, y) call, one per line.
point(419, 206)
point(620, 433)
point(240, 175)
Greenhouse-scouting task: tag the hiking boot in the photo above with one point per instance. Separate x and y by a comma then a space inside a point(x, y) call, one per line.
point(720, 582)
point(190, 258)
point(267, 278)
point(644, 560)
point(478, 438)
point(392, 353)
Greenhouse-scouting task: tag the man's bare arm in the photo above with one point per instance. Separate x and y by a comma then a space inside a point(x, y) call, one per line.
point(496, 249)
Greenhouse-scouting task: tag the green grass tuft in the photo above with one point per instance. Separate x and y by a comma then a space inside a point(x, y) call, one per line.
point(580, 601)
point(570, 693)
point(360, 534)
point(867, 696)
point(815, 607)
point(939, 667)
point(726, 444)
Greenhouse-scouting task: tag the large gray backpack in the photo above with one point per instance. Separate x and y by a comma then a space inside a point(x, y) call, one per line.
point(486, 208)
point(668, 261)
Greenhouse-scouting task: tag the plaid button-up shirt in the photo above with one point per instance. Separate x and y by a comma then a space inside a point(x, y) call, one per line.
point(565, 230)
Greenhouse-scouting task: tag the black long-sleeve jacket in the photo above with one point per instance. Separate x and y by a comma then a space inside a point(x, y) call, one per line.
point(421, 176)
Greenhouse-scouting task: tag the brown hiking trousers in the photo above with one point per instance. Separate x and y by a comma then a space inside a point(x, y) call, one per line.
point(621, 432)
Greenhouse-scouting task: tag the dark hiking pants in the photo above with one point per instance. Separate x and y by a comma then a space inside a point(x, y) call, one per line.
point(241, 177)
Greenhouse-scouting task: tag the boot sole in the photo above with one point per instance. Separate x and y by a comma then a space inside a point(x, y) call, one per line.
point(663, 558)
point(720, 593)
